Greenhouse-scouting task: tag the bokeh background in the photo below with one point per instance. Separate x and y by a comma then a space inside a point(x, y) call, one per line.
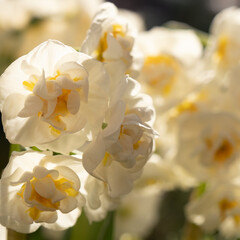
point(198, 14)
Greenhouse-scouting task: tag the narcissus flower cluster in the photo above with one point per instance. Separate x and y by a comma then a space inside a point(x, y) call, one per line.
point(63, 101)
point(87, 125)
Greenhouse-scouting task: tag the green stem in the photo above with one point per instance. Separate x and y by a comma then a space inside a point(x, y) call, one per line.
point(15, 147)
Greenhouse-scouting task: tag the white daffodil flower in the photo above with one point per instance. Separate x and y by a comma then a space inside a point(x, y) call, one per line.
point(218, 208)
point(121, 149)
point(54, 97)
point(111, 40)
point(40, 189)
point(223, 49)
point(170, 57)
point(208, 144)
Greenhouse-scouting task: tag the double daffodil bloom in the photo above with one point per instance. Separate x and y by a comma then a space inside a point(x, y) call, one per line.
point(122, 148)
point(208, 144)
point(54, 98)
point(40, 189)
point(170, 57)
point(223, 48)
point(111, 40)
point(217, 209)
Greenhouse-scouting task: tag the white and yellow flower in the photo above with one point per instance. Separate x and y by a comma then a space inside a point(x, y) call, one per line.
point(40, 189)
point(111, 40)
point(169, 60)
point(54, 97)
point(223, 51)
point(121, 149)
point(208, 144)
point(217, 209)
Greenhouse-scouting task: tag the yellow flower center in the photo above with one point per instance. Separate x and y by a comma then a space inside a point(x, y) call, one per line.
point(106, 161)
point(224, 151)
point(220, 54)
point(61, 109)
point(161, 72)
point(62, 184)
point(117, 30)
point(225, 205)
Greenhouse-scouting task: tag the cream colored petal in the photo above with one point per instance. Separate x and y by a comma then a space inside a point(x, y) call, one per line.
point(53, 89)
point(58, 196)
point(73, 103)
point(27, 176)
point(69, 174)
point(41, 172)
point(114, 50)
point(68, 204)
point(91, 42)
point(93, 188)
point(45, 187)
point(27, 192)
point(74, 70)
point(40, 88)
point(94, 154)
point(47, 217)
point(64, 221)
point(119, 180)
point(18, 212)
point(51, 105)
point(32, 106)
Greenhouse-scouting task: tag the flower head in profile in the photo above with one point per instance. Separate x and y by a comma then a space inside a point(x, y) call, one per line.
point(111, 40)
point(223, 48)
point(51, 93)
point(44, 192)
point(125, 143)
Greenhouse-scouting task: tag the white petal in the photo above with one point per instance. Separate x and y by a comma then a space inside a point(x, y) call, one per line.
point(27, 176)
point(47, 217)
point(40, 88)
point(64, 221)
point(73, 102)
point(94, 154)
point(58, 196)
point(41, 172)
point(51, 105)
point(45, 187)
point(74, 70)
point(114, 50)
point(33, 104)
point(68, 204)
point(53, 89)
point(69, 174)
